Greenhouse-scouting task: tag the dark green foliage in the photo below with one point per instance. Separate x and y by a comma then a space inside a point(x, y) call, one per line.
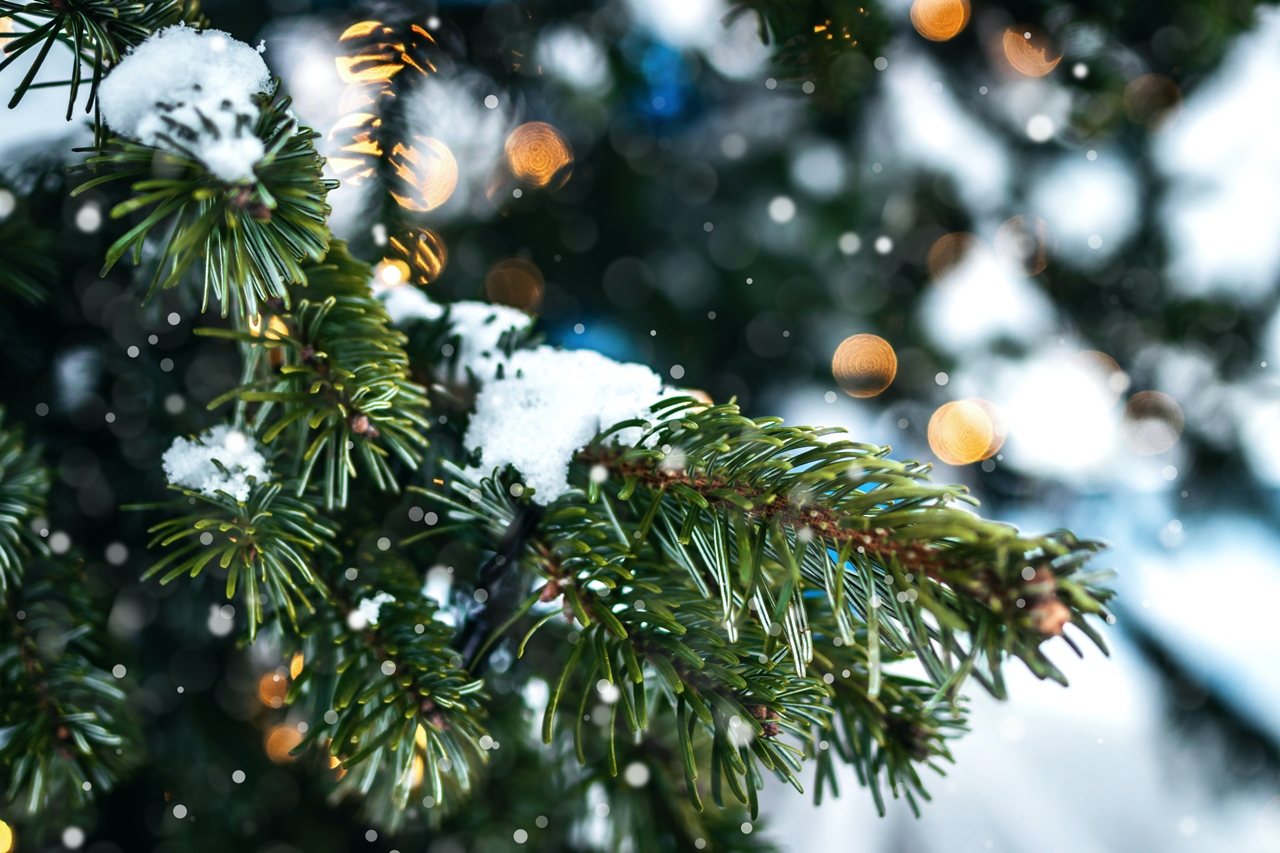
point(394, 707)
point(24, 483)
point(61, 714)
point(98, 32)
point(252, 238)
point(333, 381)
point(259, 543)
point(25, 264)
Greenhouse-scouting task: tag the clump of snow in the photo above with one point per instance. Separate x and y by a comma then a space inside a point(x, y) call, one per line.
point(190, 462)
point(479, 325)
point(409, 303)
point(368, 611)
point(549, 404)
point(191, 92)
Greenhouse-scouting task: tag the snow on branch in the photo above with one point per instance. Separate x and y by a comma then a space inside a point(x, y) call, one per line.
point(221, 460)
point(191, 92)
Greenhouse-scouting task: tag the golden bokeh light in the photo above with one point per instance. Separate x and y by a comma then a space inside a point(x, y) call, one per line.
point(950, 251)
point(999, 429)
point(424, 251)
point(962, 432)
point(295, 664)
point(272, 688)
point(516, 282)
point(358, 152)
point(538, 154)
point(391, 272)
point(1102, 370)
point(281, 740)
point(1030, 51)
point(6, 832)
point(939, 20)
point(1024, 242)
point(362, 29)
point(1152, 422)
point(1153, 100)
point(429, 175)
point(864, 365)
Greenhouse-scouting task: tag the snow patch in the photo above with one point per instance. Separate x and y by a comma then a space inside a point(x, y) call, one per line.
point(191, 92)
point(550, 404)
point(409, 303)
point(369, 610)
point(479, 325)
point(190, 463)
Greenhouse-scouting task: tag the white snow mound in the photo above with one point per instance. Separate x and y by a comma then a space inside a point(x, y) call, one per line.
point(191, 92)
point(479, 325)
point(189, 462)
point(549, 404)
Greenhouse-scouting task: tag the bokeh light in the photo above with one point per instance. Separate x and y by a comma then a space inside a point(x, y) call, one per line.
point(949, 251)
point(272, 689)
point(423, 251)
point(538, 154)
point(1152, 422)
point(1102, 370)
point(1030, 51)
point(390, 272)
point(358, 155)
point(1023, 242)
point(516, 282)
point(864, 365)
point(962, 431)
point(280, 741)
point(295, 664)
point(429, 175)
point(939, 20)
point(6, 838)
point(1153, 100)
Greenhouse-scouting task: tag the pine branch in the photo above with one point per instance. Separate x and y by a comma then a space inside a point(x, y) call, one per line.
point(64, 729)
point(24, 484)
point(99, 32)
point(334, 382)
point(25, 250)
point(252, 238)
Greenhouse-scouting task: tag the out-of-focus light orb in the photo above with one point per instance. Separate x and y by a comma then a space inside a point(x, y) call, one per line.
point(1153, 100)
point(281, 740)
point(733, 146)
point(571, 55)
point(1023, 242)
point(538, 154)
point(999, 428)
point(6, 838)
point(272, 688)
point(1102, 370)
point(429, 173)
point(939, 20)
point(950, 251)
point(864, 365)
point(296, 663)
point(884, 244)
point(391, 272)
point(1030, 51)
point(961, 432)
point(849, 243)
point(819, 170)
point(1040, 128)
point(516, 282)
point(782, 209)
point(423, 251)
point(1152, 422)
point(1080, 71)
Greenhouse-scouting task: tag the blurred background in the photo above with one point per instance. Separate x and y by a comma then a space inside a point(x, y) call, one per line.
point(1066, 215)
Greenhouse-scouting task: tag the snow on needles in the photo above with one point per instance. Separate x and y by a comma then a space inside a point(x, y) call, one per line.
point(549, 404)
point(479, 326)
point(190, 463)
point(191, 92)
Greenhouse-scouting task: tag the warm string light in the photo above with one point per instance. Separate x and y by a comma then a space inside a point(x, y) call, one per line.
point(966, 431)
point(391, 272)
point(864, 365)
point(1023, 242)
point(7, 839)
point(280, 741)
point(940, 20)
point(295, 665)
point(1152, 423)
point(424, 253)
point(428, 176)
point(950, 251)
point(539, 155)
point(1030, 51)
point(272, 689)
point(516, 282)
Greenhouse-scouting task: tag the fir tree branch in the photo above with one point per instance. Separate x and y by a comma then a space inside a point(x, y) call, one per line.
point(24, 485)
